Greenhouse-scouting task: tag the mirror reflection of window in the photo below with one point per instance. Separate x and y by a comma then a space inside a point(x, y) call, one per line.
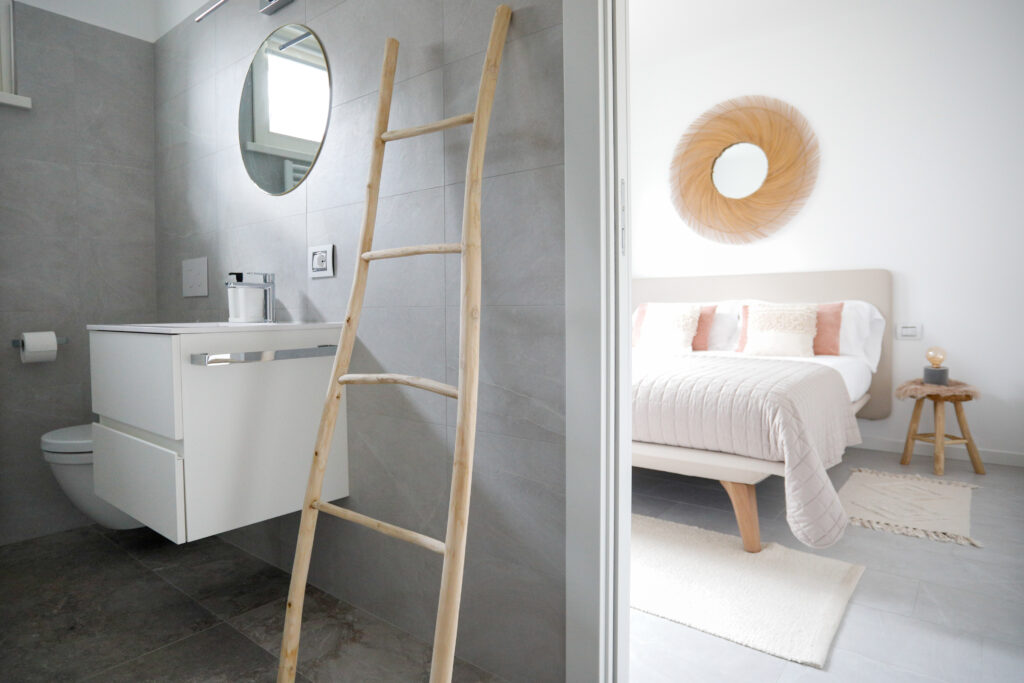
point(284, 109)
point(298, 98)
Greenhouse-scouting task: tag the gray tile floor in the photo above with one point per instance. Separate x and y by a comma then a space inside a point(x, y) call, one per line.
point(91, 604)
point(923, 611)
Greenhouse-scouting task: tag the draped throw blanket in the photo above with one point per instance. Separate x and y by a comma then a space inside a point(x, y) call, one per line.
point(781, 410)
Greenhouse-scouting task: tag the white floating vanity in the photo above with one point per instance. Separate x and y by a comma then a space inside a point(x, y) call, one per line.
point(207, 427)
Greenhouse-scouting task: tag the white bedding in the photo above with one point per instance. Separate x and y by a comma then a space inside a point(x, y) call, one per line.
point(781, 410)
point(854, 370)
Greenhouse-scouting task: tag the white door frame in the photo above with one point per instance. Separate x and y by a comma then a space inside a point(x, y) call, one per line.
point(596, 323)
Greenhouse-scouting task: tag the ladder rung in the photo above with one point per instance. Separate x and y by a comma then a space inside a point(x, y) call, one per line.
point(400, 133)
point(397, 252)
point(408, 380)
point(398, 532)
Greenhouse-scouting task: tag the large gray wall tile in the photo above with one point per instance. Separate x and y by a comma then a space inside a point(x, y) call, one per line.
point(467, 23)
point(186, 124)
point(37, 200)
point(188, 199)
point(414, 218)
point(353, 35)
point(184, 56)
point(47, 132)
point(341, 172)
point(404, 340)
point(77, 237)
point(505, 603)
point(227, 97)
point(116, 203)
point(25, 286)
point(526, 125)
point(119, 279)
point(523, 238)
point(241, 202)
point(522, 381)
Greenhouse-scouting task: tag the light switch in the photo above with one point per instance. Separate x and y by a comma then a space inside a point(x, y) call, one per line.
point(321, 261)
point(909, 331)
point(193, 277)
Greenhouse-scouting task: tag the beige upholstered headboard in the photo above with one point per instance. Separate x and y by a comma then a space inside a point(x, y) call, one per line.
point(873, 286)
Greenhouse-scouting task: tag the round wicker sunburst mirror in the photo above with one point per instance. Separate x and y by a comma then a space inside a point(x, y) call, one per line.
point(723, 140)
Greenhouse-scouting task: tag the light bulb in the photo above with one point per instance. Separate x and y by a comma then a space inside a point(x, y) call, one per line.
point(935, 356)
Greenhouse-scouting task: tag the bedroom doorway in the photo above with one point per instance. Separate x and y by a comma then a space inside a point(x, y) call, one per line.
point(887, 536)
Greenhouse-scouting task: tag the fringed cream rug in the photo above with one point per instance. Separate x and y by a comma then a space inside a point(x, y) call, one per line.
point(780, 601)
point(909, 504)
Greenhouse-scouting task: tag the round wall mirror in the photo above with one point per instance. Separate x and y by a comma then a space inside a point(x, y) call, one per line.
point(285, 105)
point(740, 170)
point(743, 169)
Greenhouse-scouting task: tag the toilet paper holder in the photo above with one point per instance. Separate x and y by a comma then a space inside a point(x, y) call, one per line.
point(18, 344)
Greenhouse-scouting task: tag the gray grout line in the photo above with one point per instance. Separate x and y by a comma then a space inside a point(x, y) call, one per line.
point(154, 573)
point(93, 675)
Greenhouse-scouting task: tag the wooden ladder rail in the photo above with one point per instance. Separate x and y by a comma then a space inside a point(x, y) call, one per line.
point(454, 546)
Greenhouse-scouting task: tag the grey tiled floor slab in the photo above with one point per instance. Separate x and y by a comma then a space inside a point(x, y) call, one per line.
point(100, 605)
point(923, 611)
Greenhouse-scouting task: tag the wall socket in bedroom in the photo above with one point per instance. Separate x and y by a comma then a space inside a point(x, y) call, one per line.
point(909, 331)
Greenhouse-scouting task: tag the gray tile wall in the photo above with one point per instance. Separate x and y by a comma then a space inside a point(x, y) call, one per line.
point(77, 240)
point(400, 443)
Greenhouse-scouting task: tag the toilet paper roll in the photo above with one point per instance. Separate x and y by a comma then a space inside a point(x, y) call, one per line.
point(38, 347)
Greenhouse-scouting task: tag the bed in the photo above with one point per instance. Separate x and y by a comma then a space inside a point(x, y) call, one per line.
point(816, 396)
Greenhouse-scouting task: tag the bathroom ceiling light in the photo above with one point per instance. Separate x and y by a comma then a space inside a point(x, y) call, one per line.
point(209, 9)
point(271, 6)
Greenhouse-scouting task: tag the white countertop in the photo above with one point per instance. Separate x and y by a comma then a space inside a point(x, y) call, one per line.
point(206, 328)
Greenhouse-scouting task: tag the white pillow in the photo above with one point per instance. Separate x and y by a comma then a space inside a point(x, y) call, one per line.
point(725, 328)
point(781, 329)
point(861, 332)
point(665, 330)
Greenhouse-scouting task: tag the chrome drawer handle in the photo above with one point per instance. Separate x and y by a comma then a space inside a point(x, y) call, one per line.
point(210, 359)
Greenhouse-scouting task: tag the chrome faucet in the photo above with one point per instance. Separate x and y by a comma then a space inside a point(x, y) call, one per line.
point(238, 284)
point(267, 279)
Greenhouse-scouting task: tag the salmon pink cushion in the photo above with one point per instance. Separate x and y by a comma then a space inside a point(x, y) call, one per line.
point(744, 316)
point(703, 335)
point(826, 340)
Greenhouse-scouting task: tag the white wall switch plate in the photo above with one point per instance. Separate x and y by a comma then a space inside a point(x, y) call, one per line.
point(321, 261)
point(193, 277)
point(909, 331)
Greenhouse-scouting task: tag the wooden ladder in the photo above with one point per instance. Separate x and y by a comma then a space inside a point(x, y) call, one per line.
point(453, 548)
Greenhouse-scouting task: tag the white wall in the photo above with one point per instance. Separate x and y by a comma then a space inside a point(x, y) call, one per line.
point(145, 19)
point(918, 107)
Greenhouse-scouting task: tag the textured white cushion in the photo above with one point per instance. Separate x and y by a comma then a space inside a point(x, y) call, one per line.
point(665, 330)
point(781, 329)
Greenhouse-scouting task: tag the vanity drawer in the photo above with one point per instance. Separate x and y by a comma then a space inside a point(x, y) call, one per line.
point(136, 379)
point(142, 479)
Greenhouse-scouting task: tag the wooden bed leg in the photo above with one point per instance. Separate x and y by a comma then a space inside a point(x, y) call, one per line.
point(744, 503)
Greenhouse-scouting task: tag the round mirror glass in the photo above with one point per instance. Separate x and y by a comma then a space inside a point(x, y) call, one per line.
point(282, 116)
point(740, 170)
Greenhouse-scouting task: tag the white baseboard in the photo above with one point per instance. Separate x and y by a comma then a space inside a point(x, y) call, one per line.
point(989, 457)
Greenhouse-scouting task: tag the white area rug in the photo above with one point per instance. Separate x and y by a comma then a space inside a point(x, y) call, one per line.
point(909, 504)
point(780, 601)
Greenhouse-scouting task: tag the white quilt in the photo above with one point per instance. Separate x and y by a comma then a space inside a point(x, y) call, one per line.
point(781, 410)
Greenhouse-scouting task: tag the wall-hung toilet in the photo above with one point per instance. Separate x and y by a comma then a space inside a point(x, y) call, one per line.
point(68, 451)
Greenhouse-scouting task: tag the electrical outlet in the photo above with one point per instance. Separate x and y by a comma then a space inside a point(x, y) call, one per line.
point(909, 331)
point(193, 277)
point(321, 261)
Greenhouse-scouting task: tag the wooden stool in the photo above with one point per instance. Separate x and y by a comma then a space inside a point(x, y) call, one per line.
point(956, 393)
